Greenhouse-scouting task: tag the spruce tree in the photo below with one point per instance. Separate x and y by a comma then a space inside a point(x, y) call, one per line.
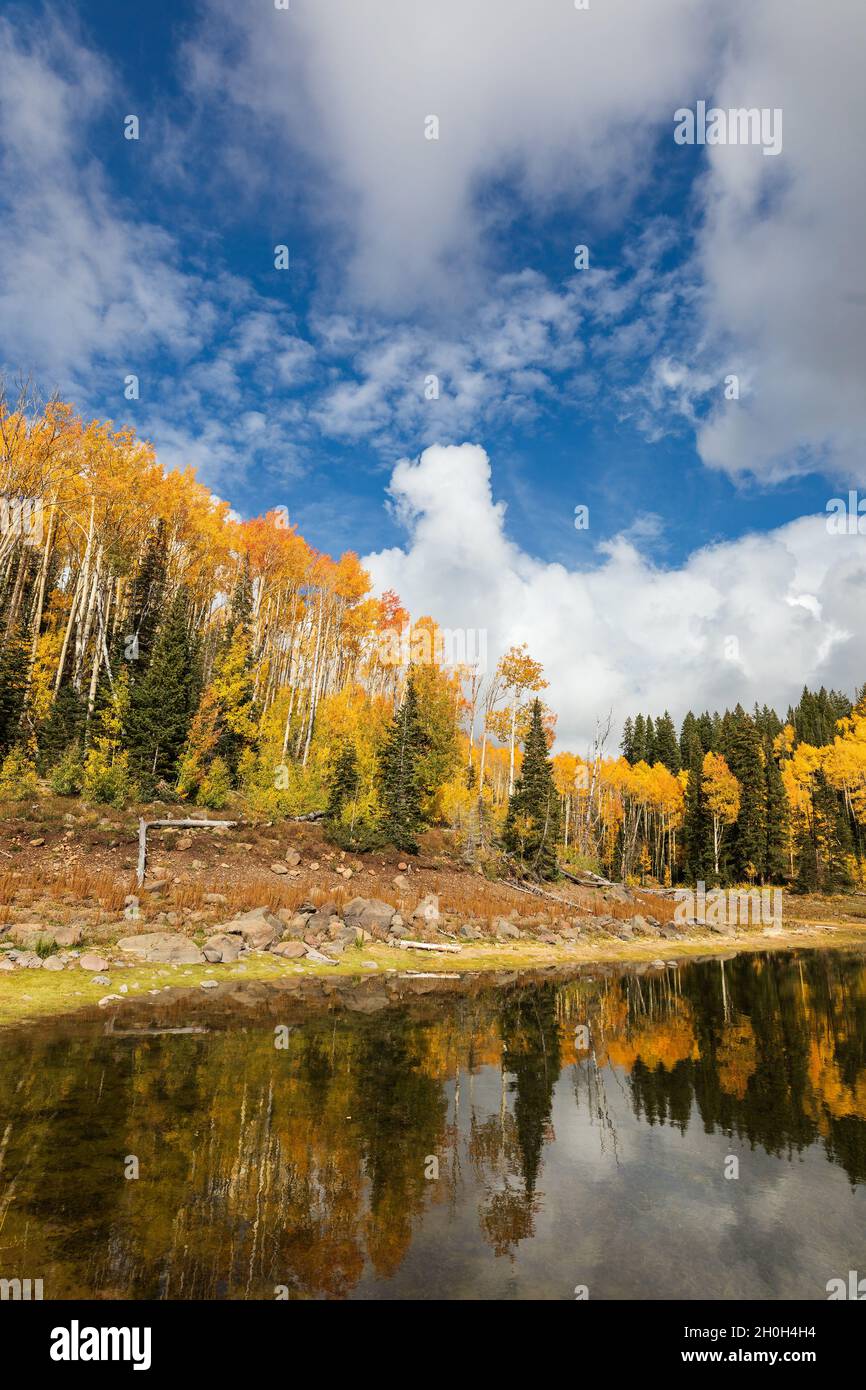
point(343, 782)
point(639, 744)
point(627, 745)
point(667, 749)
point(13, 685)
point(776, 861)
point(400, 788)
point(826, 848)
point(697, 825)
point(650, 755)
point(64, 726)
point(146, 597)
point(707, 732)
point(532, 823)
point(688, 731)
point(163, 700)
point(745, 758)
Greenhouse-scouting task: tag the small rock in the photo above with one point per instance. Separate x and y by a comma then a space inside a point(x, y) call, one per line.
point(318, 959)
point(110, 999)
point(222, 948)
point(279, 869)
point(290, 950)
point(427, 910)
point(210, 984)
point(37, 842)
point(53, 963)
point(68, 936)
point(100, 980)
point(90, 961)
point(292, 858)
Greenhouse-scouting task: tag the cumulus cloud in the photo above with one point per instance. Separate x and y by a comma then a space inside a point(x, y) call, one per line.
point(558, 103)
point(80, 280)
point(781, 248)
point(750, 620)
point(549, 112)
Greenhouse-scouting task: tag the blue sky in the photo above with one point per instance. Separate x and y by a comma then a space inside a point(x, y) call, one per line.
point(454, 257)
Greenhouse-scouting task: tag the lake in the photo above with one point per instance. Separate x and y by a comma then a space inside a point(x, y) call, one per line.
point(696, 1131)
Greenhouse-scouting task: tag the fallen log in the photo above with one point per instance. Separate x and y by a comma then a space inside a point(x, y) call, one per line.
point(524, 887)
point(590, 880)
point(425, 946)
point(145, 825)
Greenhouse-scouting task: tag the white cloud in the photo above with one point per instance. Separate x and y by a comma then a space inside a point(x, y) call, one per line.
point(561, 103)
point(80, 280)
point(625, 635)
point(549, 111)
point(781, 251)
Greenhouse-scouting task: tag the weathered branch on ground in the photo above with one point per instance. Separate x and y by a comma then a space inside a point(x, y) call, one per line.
point(595, 880)
point(425, 946)
point(525, 887)
point(169, 824)
point(145, 825)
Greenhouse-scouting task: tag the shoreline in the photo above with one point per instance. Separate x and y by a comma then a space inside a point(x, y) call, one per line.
point(34, 998)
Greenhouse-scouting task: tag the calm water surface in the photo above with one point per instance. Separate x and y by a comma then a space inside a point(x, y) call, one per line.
point(312, 1167)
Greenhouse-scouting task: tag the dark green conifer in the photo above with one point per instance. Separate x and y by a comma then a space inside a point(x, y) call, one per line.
point(343, 782)
point(666, 748)
point(697, 826)
point(532, 823)
point(163, 701)
point(400, 788)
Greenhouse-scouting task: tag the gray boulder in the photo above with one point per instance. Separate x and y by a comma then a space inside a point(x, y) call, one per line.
point(222, 949)
point(427, 912)
point(259, 928)
point(373, 915)
point(164, 947)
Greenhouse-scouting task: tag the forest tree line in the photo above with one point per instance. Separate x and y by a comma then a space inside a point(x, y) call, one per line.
point(153, 645)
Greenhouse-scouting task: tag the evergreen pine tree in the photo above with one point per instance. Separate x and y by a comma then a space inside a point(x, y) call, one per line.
point(400, 789)
point(776, 863)
point(667, 749)
point(650, 755)
point(639, 744)
point(532, 823)
point(745, 758)
point(688, 731)
point(145, 602)
point(828, 845)
point(163, 700)
point(707, 733)
point(343, 782)
point(697, 825)
point(64, 726)
point(627, 745)
point(13, 685)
